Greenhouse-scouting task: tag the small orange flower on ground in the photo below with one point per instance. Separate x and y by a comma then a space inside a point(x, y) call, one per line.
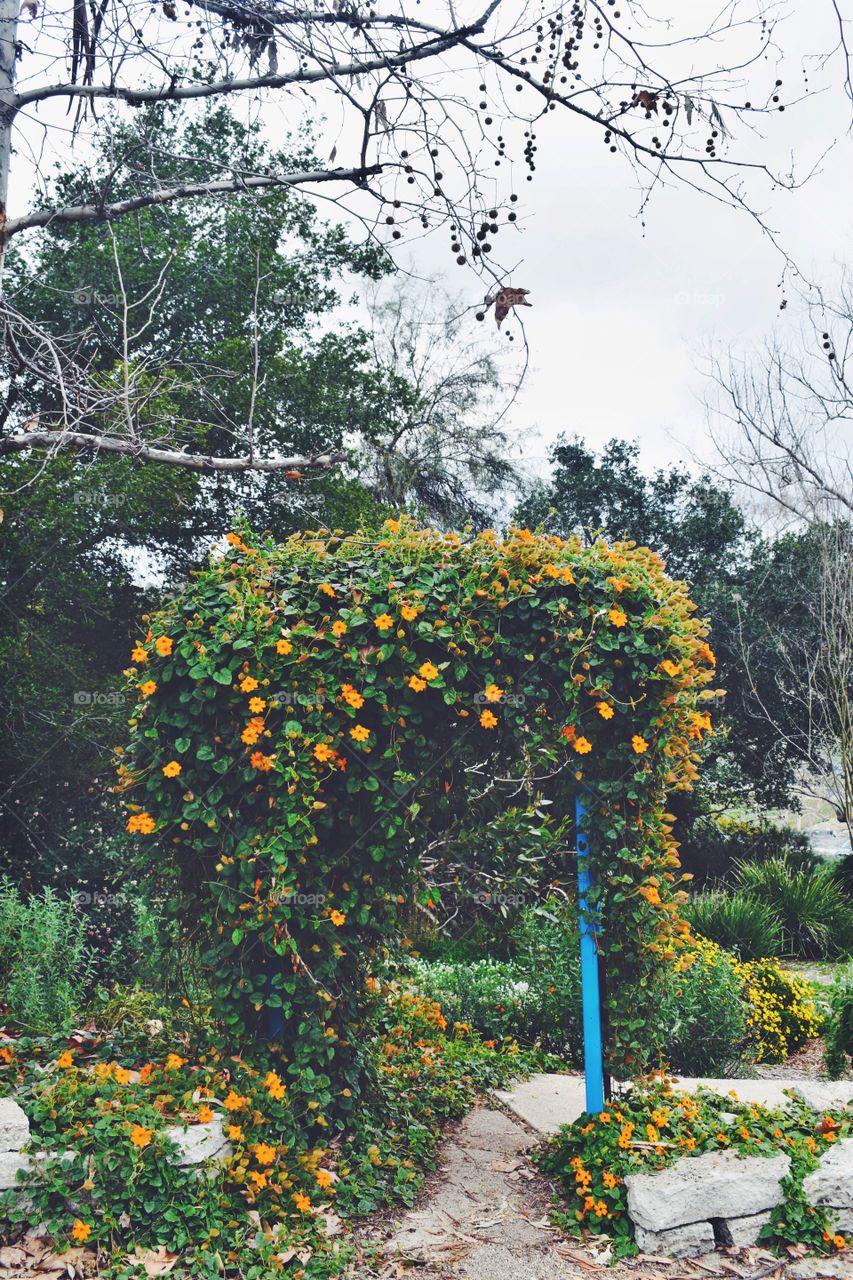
point(163, 645)
point(618, 617)
point(605, 710)
point(259, 761)
point(327, 589)
point(147, 688)
point(839, 1241)
point(393, 526)
point(172, 769)
point(235, 1132)
point(234, 539)
point(416, 683)
point(65, 1060)
point(140, 1136)
point(582, 745)
point(494, 693)
point(671, 668)
point(324, 1178)
point(352, 696)
point(339, 628)
point(121, 1075)
point(428, 671)
point(248, 684)
point(488, 720)
point(639, 744)
point(80, 1231)
point(323, 752)
point(283, 646)
point(234, 1102)
point(601, 1209)
point(256, 704)
point(263, 1153)
point(141, 822)
point(609, 1179)
point(302, 1202)
point(568, 732)
point(139, 654)
point(174, 1062)
point(359, 732)
point(409, 612)
point(652, 1133)
point(337, 918)
point(384, 622)
point(259, 1179)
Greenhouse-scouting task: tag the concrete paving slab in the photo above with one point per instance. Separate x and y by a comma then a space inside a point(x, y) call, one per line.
point(546, 1101)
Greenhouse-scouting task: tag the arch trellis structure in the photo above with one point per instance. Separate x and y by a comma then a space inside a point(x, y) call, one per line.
point(310, 712)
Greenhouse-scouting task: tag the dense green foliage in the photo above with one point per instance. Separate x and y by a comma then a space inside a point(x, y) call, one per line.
point(813, 908)
point(839, 1032)
point(737, 921)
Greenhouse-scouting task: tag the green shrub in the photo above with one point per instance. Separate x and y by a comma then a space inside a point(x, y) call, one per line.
point(711, 848)
point(814, 910)
point(45, 965)
point(701, 1015)
point(839, 1029)
point(740, 923)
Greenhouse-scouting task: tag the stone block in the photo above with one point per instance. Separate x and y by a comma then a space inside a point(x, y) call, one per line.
point(200, 1142)
point(14, 1126)
point(698, 1188)
point(744, 1231)
point(830, 1185)
point(10, 1163)
point(825, 1095)
point(679, 1242)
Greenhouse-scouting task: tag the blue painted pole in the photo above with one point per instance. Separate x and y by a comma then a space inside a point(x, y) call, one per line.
point(593, 1053)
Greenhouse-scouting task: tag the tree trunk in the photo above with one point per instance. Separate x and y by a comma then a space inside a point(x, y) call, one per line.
point(8, 53)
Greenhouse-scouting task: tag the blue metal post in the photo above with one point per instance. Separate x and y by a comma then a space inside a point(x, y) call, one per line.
point(593, 1055)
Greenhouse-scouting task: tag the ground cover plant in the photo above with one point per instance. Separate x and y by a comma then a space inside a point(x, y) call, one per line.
point(284, 1199)
point(653, 1125)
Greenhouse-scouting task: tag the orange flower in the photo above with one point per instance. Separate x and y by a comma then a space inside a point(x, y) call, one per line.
point(248, 684)
point(147, 688)
point(416, 683)
point(609, 1179)
point(428, 671)
point(359, 732)
point(141, 822)
point(494, 693)
point(384, 622)
point(205, 1115)
point(639, 744)
point(337, 918)
point(263, 1153)
point(352, 696)
point(139, 654)
point(256, 704)
point(259, 1179)
point(302, 1202)
point(324, 1178)
point(568, 732)
point(327, 589)
point(393, 526)
point(582, 745)
point(163, 645)
point(409, 612)
point(80, 1231)
point(234, 1102)
point(139, 1136)
point(235, 1132)
point(671, 668)
point(323, 752)
point(283, 646)
point(618, 617)
point(274, 1085)
point(65, 1060)
point(605, 710)
point(172, 769)
point(259, 761)
point(174, 1062)
point(339, 628)
point(488, 720)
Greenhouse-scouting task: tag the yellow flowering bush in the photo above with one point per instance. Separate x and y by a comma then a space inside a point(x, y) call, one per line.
point(779, 1012)
point(325, 700)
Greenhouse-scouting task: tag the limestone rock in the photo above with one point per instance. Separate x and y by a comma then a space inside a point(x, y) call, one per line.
point(10, 1163)
point(837, 1268)
point(14, 1126)
point(679, 1242)
point(825, 1095)
point(697, 1188)
point(830, 1185)
point(744, 1231)
point(200, 1142)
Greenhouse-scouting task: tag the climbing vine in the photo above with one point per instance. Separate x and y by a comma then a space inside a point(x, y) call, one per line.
point(312, 714)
